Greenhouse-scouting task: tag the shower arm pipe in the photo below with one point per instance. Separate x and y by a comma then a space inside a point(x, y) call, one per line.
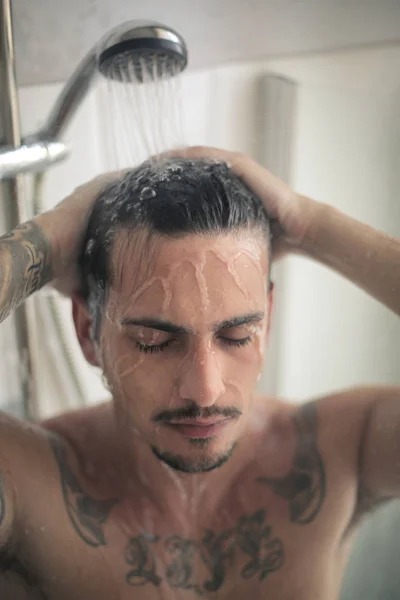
point(30, 157)
point(12, 195)
point(42, 149)
point(69, 99)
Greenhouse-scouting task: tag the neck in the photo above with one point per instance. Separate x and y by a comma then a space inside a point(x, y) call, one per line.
point(166, 488)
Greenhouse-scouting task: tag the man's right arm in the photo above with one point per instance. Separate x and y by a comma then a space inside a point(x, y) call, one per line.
point(12, 443)
point(47, 248)
point(6, 512)
point(34, 254)
point(26, 464)
point(25, 265)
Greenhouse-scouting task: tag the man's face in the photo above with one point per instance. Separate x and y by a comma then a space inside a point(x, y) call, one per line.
point(182, 341)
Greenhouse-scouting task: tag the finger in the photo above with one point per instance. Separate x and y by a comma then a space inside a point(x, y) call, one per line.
point(199, 152)
point(274, 193)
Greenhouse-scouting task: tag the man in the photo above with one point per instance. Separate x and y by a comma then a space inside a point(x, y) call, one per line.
point(187, 484)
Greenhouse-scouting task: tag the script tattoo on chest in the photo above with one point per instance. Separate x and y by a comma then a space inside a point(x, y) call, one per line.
point(251, 541)
point(87, 514)
point(304, 487)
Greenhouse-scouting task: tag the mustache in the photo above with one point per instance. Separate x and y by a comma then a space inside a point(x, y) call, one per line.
point(196, 412)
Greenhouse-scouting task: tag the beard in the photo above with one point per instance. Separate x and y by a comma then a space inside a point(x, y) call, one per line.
point(203, 464)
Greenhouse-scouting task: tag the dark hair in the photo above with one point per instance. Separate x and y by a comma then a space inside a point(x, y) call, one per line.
point(170, 198)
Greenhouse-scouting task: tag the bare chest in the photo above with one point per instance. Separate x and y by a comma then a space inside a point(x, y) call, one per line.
point(259, 552)
point(275, 535)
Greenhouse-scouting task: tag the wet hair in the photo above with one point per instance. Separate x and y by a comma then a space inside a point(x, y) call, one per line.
point(171, 198)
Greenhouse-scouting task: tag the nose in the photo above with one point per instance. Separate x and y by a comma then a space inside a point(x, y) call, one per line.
point(201, 379)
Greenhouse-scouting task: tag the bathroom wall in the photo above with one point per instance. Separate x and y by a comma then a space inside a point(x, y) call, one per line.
point(345, 153)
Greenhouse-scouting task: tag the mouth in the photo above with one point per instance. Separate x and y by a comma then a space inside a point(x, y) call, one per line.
point(198, 428)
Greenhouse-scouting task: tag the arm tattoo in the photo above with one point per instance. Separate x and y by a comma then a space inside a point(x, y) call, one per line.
point(24, 265)
point(2, 501)
point(304, 487)
point(87, 515)
point(250, 539)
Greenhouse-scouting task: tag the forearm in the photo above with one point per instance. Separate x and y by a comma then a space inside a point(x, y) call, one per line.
point(25, 264)
point(369, 258)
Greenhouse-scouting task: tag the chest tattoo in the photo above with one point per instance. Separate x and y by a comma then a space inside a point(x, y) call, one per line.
point(251, 544)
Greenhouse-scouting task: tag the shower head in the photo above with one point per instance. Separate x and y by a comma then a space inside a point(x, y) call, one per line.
point(147, 49)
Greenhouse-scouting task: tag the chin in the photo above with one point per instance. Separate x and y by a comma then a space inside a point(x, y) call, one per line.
point(204, 462)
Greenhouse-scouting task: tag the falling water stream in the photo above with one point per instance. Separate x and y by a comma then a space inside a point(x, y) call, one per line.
point(142, 108)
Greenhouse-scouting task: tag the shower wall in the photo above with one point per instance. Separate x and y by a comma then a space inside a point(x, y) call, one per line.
point(345, 153)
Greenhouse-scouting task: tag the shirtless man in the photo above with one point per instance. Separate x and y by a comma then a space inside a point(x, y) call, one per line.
point(187, 484)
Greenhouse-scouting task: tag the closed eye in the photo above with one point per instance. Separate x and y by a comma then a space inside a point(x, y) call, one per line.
point(236, 342)
point(153, 348)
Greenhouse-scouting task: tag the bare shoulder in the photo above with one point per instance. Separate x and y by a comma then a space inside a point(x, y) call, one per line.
point(343, 415)
point(23, 445)
point(29, 461)
point(324, 435)
point(27, 466)
point(83, 431)
point(337, 422)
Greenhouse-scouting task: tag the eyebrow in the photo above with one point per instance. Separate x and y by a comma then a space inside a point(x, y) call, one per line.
point(169, 327)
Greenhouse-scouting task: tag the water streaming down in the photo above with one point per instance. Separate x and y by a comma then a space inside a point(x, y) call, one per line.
point(142, 103)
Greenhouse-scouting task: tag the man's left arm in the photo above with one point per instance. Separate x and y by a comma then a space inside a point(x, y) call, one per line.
point(379, 445)
point(365, 256)
point(371, 260)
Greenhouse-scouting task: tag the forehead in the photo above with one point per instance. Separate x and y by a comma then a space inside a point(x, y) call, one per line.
point(189, 278)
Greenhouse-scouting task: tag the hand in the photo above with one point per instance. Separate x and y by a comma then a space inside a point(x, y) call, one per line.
point(292, 215)
point(65, 228)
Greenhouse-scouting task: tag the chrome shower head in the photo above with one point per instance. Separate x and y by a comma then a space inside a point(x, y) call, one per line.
point(147, 49)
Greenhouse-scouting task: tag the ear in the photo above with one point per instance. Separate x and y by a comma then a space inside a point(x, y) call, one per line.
point(271, 289)
point(83, 327)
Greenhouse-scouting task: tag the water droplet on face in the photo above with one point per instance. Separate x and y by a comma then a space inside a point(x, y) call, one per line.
point(147, 193)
